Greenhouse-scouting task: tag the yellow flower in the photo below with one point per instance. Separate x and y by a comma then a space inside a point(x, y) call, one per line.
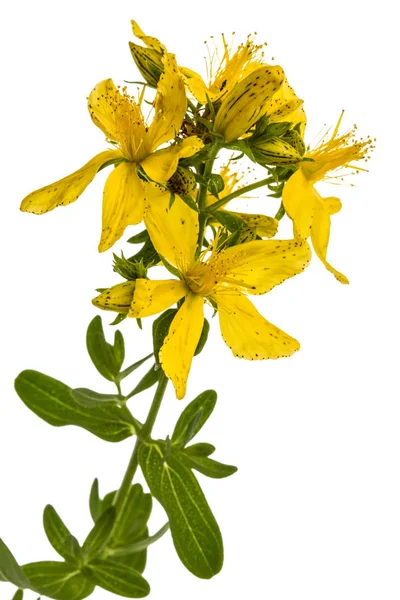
point(309, 211)
point(121, 119)
point(219, 277)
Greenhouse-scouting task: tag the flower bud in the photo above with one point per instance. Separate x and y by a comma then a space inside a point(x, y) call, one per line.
point(149, 62)
point(117, 298)
point(274, 151)
point(294, 138)
point(182, 182)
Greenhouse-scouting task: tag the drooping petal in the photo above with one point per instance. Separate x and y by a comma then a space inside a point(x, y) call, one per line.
point(162, 164)
point(247, 102)
point(247, 333)
point(69, 189)
point(260, 265)
point(118, 116)
point(173, 230)
point(284, 106)
point(152, 297)
point(264, 226)
point(197, 86)
point(320, 233)
point(123, 203)
point(299, 199)
point(180, 344)
point(117, 298)
point(169, 106)
point(150, 42)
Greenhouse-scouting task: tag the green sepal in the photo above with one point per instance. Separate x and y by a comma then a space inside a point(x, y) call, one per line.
point(215, 184)
point(106, 358)
point(90, 399)
point(58, 580)
point(173, 270)
point(118, 578)
point(60, 537)
point(190, 202)
point(147, 381)
point(52, 401)
point(119, 318)
point(147, 255)
point(19, 595)
point(208, 466)
point(97, 539)
point(161, 327)
point(195, 532)
point(203, 337)
point(230, 221)
point(128, 269)
point(193, 418)
point(200, 449)
point(139, 238)
point(10, 570)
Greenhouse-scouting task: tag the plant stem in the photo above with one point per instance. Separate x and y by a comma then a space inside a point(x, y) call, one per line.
point(248, 188)
point(122, 495)
point(202, 200)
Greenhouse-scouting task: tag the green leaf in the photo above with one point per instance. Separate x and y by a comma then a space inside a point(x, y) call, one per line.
point(90, 399)
point(208, 466)
point(52, 401)
point(94, 500)
point(147, 381)
point(105, 357)
point(200, 450)
point(119, 579)
point(193, 418)
point(119, 318)
point(97, 539)
point(58, 535)
point(160, 330)
point(140, 545)
point(194, 530)
point(216, 184)
point(133, 521)
point(190, 202)
point(11, 571)
point(230, 221)
point(203, 337)
point(133, 367)
point(147, 255)
point(58, 580)
point(19, 595)
point(139, 238)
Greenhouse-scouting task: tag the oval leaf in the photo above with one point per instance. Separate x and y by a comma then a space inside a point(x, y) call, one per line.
point(97, 539)
point(193, 418)
point(195, 532)
point(90, 399)
point(58, 580)
point(119, 579)
point(201, 449)
point(203, 337)
point(11, 571)
point(160, 330)
point(105, 357)
point(208, 466)
point(52, 401)
point(147, 381)
point(58, 534)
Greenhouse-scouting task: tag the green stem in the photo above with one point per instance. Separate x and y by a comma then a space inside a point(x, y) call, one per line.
point(248, 188)
point(202, 199)
point(122, 495)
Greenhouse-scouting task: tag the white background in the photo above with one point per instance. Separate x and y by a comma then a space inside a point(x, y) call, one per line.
point(314, 511)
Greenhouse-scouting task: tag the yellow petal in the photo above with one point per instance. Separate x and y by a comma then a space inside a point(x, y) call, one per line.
point(150, 42)
point(119, 117)
point(169, 105)
point(180, 344)
point(197, 87)
point(152, 297)
point(283, 104)
point(69, 189)
point(247, 333)
point(260, 265)
point(264, 226)
point(247, 102)
point(320, 233)
point(117, 298)
point(299, 199)
point(162, 164)
point(173, 230)
point(123, 203)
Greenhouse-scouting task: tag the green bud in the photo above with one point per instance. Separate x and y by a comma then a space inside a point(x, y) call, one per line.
point(182, 182)
point(117, 298)
point(129, 269)
point(149, 62)
point(274, 151)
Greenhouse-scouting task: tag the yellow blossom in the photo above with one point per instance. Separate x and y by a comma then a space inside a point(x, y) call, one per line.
point(221, 277)
point(120, 118)
point(309, 211)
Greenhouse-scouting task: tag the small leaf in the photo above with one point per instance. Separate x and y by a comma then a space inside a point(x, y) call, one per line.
point(190, 202)
point(203, 337)
point(19, 595)
point(139, 238)
point(58, 535)
point(230, 221)
point(119, 318)
point(208, 466)
point(133, 367)
point(94, 500)
point(58, 580)
point(194, 530)
point(97, 539)
point(119, 579)
point(133, 520)
point(11, 571)
point(193, 418)
point(119, 349)
point(52, 401)
point(140, 545)
point(105, 357)
point(147, 381)
point(90, 399)
point(160, 330)
point(200, 450)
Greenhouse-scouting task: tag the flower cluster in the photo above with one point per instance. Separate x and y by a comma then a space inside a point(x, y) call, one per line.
point(164, 174)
